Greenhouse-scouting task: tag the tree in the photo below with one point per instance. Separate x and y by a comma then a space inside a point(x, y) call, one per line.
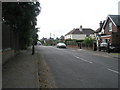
point(21, 18)
point(88, 40)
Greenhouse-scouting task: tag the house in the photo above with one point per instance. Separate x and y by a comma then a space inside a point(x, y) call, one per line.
point(79, 33)
point(109, 31)
point(99, 32)
point(112, 29)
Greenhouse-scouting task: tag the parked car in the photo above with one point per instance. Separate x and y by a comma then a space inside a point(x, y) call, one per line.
point(103, 45)
point(110, 48)
point(61, 45)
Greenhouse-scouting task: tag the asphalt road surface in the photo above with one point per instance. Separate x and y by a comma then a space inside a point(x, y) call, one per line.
point(75, 68)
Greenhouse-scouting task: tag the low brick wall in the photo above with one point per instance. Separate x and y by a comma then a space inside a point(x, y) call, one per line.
point(87, 47)
point(7, 54)
point(72, 46)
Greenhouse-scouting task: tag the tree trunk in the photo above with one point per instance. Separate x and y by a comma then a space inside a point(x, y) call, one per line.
point(33, 49)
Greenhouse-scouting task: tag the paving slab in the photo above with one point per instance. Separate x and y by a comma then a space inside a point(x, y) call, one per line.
point(21, 71)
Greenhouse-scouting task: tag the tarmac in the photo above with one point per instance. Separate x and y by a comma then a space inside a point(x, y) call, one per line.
point(21, 71)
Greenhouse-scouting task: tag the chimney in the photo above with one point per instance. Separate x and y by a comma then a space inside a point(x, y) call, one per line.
point(119, 8)
point(100, 24)
point(73, 28)
point(80, 28)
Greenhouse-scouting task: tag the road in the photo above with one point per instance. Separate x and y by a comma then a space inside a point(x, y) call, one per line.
point(75, 68)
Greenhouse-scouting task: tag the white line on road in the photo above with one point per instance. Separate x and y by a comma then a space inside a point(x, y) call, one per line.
point(73, 50)
point(79, 49)
point(112, 70)
point(83, 59)
point(101, 55)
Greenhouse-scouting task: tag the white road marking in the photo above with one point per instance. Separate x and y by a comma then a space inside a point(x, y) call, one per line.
point(112, 70)
point(83, 59)
point(73, 50)
point(79, 49)
point(101, 55)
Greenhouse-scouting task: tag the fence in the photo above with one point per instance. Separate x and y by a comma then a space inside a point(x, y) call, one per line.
point(10, 43)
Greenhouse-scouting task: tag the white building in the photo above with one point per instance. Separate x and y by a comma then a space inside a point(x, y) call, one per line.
point(80, 33)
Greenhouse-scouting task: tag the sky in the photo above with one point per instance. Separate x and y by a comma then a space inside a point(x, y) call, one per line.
point(58, 17)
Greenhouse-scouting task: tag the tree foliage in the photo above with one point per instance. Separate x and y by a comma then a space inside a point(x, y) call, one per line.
point(88, 40)
point(21, 18)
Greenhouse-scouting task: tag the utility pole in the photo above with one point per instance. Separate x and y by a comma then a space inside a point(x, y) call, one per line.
point(119, 8)
point(50, 35)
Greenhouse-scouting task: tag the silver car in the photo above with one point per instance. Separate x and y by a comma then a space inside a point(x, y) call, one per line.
point(61, 45)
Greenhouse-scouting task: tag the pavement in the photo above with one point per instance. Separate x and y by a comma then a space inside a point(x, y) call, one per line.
point(99, 53)
point(105, 54)
point(21, 71)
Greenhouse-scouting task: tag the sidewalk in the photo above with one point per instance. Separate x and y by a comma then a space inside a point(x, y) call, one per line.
point(104, 54)
point(100, 53)
point(21, 71)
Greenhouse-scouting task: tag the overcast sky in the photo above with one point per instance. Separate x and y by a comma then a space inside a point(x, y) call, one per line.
point(58, 17)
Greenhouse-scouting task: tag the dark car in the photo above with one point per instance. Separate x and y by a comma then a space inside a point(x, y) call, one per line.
point(61, 45)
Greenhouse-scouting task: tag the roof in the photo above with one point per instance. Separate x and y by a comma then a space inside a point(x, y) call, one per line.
point(74, 31)
point(88, 31)
point(98, 30)
point(115, 20)
point(77, 31)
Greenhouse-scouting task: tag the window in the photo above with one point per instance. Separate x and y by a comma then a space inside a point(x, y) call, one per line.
point(110, 26)
point(87, 35)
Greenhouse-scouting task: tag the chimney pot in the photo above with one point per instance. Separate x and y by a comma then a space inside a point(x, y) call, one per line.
point(80, 28)
point(101, 24)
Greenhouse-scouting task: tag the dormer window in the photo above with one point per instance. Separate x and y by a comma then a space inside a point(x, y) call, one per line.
point(110, 26)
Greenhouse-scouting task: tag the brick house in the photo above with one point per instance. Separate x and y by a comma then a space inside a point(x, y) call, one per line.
point(109, 31)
